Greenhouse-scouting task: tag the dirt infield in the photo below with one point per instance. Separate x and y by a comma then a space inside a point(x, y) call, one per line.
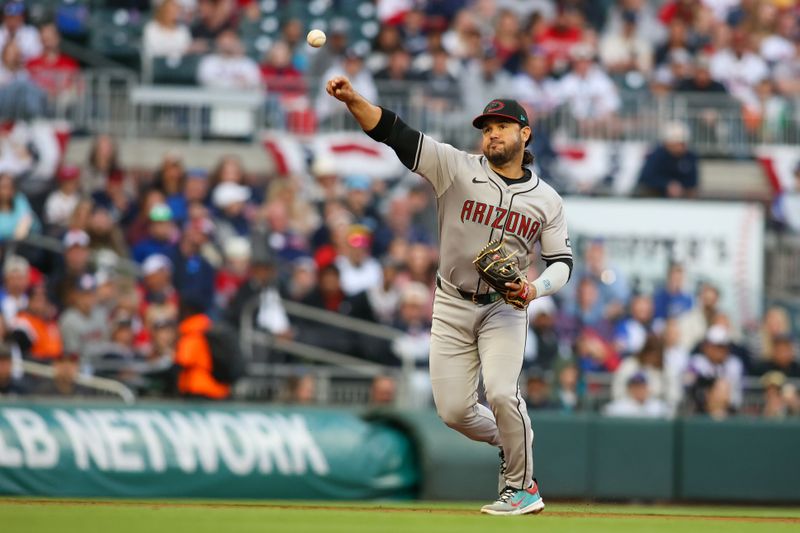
point(345, 507)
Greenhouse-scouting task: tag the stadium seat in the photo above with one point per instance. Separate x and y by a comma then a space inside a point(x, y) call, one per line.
point(171, 71)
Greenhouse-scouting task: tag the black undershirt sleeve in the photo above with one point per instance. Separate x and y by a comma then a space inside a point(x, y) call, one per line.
point(396, 134)
point(564, 260)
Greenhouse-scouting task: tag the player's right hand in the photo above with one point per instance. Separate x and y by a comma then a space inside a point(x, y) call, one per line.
point(341, 89)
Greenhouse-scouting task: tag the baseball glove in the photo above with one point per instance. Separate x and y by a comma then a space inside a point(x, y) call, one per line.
point(497, 267)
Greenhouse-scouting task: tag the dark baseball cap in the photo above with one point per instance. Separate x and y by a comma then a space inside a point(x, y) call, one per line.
point(502, 108)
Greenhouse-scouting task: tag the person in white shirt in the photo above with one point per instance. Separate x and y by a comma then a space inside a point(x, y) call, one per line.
point(482, 79)
point(590, 95)
point(14, 28)
point(739, 69)
point(358, 270)
point(351, 66)
point(165, 35)
point(228, 67)
point(534, 88)
point(779, 46)
point(637, 402)
point(649, 361)
point(625, 51)
point(61, 203)
point(716, 362)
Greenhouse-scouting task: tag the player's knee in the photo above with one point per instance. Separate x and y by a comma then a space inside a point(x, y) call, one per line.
point(500, 397)
point(452, 415)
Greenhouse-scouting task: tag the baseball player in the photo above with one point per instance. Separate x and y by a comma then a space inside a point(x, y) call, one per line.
point(482, 199)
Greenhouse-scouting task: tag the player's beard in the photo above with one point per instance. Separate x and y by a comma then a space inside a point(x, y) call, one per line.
point(504, 153)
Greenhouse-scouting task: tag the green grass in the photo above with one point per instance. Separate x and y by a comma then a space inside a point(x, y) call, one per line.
point(88, 516)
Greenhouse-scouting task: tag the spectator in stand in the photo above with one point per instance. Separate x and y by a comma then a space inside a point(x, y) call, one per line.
point(625, 54)
point(783, 357)
point(193, 353)
point(779, 45)
point(16, 281)
point(671, 169)
point(715, 362)
point(383, 391)
point(649, 361)
point(538, 396)
point(594, 353)
point(775, 402)
point(638, 401)
point(302, 279)
point(274, 222)
point(567, 394)
point(648, 27)
point(137, 228)
point(384, 45)
point(787, 73)
point(534, 87)
point(543, 346)
point(701, 80)
point(397, 69)
point(84, 325)
point(20, 97)
point(786, 205)
point(333, 52)
point(161, 234)
point(14, 29)
point(483, 79)
point(212, 19)
point(165, 35)
point(360, 201)
point(694, 324)
point(775, 322)
point(9, 384)
point(384, 298)
point(230, 200)
point(234, 271)
point(588, 92)
point(106, 237)
point(612, 283)
point(103, 163)
point(66, 369)
point(678, 38)
point(358, 270)
point(585, 310)
point(192, 274)
point(739, 68)
point(507, 40)
point(170, 179)
point(16, 157)
point(668, 76)
point(61, 203)
point(278, 75)
point(673, 300)
point(399, 223)
point(17, 219)
point(290, 192)
point(156, 286)
point(414, 319)
point(630, 333)
point(76, 260)
point(352, 66)
point(329, 295)
point(228, 67)
point(413, 30)
point(35, 328)
point(54, 71)
point(561, 37)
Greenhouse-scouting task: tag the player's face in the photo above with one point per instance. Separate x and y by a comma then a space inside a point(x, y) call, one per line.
point(503, 140)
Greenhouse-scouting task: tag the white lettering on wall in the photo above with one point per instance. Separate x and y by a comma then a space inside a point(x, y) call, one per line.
point(234, 443)
point(143, 421)
point(301, 445)
point(85, 437)
point(268, 443)
point(38, 445)
point(118, 438)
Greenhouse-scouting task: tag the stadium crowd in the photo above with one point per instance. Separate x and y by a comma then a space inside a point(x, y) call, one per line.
point(152, 258)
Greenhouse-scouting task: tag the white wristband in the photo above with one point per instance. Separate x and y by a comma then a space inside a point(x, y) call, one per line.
point(552, 279)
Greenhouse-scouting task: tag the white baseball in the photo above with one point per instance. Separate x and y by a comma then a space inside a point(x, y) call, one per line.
point(316, 38)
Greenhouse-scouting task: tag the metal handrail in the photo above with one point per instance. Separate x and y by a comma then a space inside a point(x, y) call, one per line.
point(330, 318)
point(92, 382)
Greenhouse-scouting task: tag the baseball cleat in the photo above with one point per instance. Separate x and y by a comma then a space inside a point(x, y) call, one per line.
point(516, 502)
point(501, 478)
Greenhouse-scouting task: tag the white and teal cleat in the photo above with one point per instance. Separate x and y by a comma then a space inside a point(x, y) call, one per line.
point(516, 502)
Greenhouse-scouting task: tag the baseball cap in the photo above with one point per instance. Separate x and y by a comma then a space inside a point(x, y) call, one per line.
point(76, 237)
point(160, 213)
point(503, 108)
point(359, 182)
point(12, 9)
point(86, 283)
point(156, 262)
point(228, 193)
point(68, 173)
point(718, 335)
point(358, 237)
point(638, 378)
point(238, 248)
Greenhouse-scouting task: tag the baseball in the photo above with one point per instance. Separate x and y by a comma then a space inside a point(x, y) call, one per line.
point(316, 38)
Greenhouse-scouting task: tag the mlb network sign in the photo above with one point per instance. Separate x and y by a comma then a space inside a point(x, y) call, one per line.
point(176, 452)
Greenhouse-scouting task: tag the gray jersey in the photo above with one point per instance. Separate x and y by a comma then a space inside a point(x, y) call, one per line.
point(476, 206)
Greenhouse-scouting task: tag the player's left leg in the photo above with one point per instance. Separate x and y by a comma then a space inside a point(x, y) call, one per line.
point(501, 344)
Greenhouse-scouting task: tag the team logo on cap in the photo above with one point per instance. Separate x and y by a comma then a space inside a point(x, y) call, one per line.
point(494, 105)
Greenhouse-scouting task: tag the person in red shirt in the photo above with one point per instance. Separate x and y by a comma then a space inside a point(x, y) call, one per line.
point(559, 38)
point(53, 71)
